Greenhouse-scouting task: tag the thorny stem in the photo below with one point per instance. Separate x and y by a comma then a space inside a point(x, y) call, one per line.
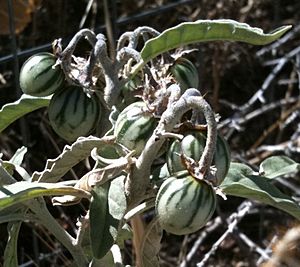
point(84, 33)
point(136, 185)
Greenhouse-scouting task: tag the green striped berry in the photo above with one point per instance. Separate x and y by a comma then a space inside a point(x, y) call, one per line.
point(185, 205)
point(39, 77)
point(185, 73)
point(134, 126)
point(72, 113)
point(192, 146)
point(130, 89)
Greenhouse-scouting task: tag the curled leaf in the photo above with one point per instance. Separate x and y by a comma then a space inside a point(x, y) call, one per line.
point(71, 155)
point(204, 31)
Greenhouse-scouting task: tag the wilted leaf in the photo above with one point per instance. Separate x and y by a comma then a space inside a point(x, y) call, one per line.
point(13, 111)
point(276, 166)
point(241, 181)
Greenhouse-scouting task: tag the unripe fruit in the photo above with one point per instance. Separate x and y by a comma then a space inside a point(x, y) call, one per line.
point(39, 77)
point(185, 73)
point(185, 205)
point(192, 146)
point(72, 113)
point(134, 127)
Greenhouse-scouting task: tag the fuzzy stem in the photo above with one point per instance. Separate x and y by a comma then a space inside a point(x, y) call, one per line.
point(139, 177)
point(133, 37)
point(66, 55)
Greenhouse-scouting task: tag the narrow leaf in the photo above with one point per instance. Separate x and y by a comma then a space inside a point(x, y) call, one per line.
point(208, 30)
point(11, 249)
point(242, 182)
point(98, 217)
point(151, 244)
point(22, 191)
point(71, 155)
point(106, 219)
point(276, 166)
point(13, 111)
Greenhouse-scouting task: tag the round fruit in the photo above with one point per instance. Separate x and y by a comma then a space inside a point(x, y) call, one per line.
point(129, 91)
point(134, 127)
point(185, 73)
point(192, 146)
point(72, 113)
point(185, 205)
point(38, 77)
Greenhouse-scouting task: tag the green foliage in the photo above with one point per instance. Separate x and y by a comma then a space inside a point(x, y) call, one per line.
point(107, 209)
point(277, 166)
point(26, 104)
point(205, 31)
point(10, 253)
point(242, 181)
point(19, 192)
